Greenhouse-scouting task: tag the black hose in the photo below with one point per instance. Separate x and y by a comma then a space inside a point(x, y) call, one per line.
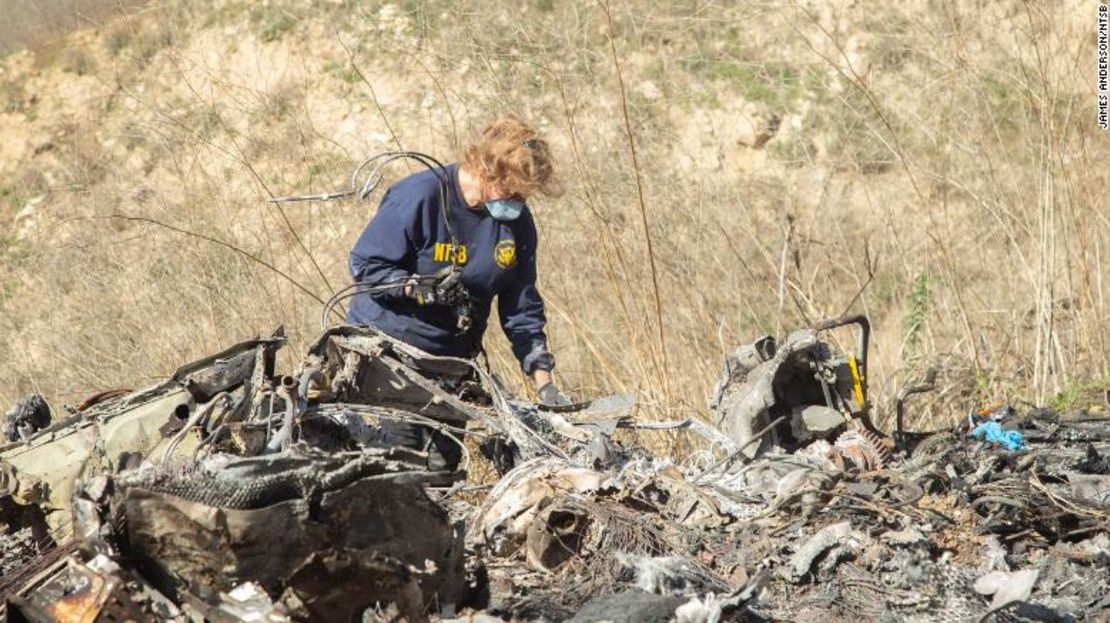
point(435, 166)
point(354, 289)
point(446, 191)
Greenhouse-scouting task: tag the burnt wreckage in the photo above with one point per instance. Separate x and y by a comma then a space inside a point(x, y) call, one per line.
point(380, 483)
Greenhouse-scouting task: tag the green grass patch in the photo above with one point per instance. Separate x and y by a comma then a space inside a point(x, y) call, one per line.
point(11, 198)
point(12, 97)
point(7, 241)
point(1081, 393)
point(118, 39)
point(886, 24)
point(1003, 103)
point(342, 71)
point(208, 124)
point(330, 168)
point(224, 15)
point(913, 324)
point(999, 92)
point(272, 22)
point(7, 291)
point(152, 39)
point(793, 151)
point(426, 17)
point(13, 251)
point(777, 85)
point(861, 138)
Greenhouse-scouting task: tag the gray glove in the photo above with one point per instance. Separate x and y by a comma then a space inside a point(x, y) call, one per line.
point(550, 396)
point(443, 288)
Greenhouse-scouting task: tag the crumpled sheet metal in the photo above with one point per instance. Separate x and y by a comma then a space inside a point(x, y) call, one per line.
point(50, 463)
point(361, 535)
point(369, 367)
point(769, 481)
point(502, 525)
point(593, 530)
point(100, 439)
point(904, 544)
point(688, 505)
point(366, 366)
point(742, 400)
point(838, 536)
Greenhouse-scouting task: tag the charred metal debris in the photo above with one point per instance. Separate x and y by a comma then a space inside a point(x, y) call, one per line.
point(379, 483)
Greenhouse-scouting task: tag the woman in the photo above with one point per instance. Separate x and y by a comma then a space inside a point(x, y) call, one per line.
point(491, 239)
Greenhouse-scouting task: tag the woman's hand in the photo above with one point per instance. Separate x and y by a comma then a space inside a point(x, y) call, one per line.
point(547, 391)
point(443, 288)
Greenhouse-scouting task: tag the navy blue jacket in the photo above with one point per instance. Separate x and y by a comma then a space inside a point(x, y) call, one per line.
point(408, 236)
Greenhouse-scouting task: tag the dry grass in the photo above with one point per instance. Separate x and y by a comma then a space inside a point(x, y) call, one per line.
point(932, 167)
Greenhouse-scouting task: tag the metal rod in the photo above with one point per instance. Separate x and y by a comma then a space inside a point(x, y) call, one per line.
point(730, 458)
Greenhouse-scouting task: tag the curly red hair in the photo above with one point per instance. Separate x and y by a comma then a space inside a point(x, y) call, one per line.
point(510, 155)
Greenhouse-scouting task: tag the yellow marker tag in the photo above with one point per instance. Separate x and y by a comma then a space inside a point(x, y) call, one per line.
point(857, 380)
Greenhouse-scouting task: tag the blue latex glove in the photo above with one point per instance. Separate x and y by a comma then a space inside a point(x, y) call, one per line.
point(993, 432)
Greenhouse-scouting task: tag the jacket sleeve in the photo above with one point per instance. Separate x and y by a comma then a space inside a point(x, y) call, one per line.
point(385, 252)
point(521, 311)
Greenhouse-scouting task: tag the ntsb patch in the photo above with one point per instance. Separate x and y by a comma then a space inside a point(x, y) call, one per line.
point(505, 253)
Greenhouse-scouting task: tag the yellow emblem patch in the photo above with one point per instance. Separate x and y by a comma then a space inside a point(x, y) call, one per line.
point(505, 253)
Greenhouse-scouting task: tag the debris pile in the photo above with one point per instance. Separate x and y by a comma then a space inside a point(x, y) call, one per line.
point(379, 483)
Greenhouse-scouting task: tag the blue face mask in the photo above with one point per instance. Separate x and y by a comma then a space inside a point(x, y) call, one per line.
point(505, 209)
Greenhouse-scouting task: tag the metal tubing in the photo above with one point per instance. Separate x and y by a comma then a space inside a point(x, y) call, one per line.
point(864, 337)
point(928, 385)
point(284, 436)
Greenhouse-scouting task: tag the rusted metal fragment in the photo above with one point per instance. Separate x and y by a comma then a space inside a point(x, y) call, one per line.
point(102, 396)
point(97, 591)
point(858, 449)
point(76, 594)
